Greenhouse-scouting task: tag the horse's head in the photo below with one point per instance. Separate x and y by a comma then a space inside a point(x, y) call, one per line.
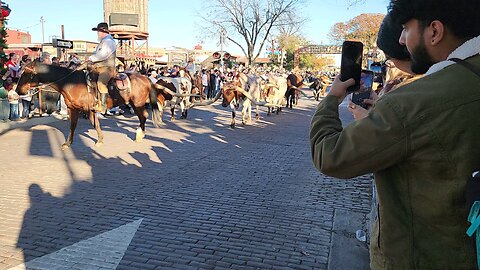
point(28, 78)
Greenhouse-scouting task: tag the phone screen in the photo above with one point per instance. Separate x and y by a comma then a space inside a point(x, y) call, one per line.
point(365, 88)
point(351, 65)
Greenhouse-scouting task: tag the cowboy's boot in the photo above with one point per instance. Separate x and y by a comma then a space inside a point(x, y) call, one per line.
point(101, 105)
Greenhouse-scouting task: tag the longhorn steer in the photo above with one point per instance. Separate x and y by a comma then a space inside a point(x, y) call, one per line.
point(242, 90)
point(274, 91)
point(178, 91)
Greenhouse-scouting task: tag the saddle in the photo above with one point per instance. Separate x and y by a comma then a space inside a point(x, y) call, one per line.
point(121, 82)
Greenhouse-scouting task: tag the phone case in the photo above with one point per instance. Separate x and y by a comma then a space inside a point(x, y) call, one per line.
point(358, 98)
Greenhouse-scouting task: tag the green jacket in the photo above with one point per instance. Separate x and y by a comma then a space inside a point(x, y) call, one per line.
point(422, 141)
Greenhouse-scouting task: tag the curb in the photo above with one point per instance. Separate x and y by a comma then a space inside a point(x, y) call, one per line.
point(346, 252)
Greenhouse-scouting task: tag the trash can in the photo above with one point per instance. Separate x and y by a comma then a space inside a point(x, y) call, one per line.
point(4, 105)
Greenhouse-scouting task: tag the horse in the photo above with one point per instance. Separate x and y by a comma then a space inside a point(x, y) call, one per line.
point(73, 85)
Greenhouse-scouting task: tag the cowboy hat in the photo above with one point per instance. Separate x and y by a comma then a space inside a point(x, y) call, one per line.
point(103, 27)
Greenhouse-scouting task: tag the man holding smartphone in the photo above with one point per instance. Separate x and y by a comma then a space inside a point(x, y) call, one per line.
point(421, 141)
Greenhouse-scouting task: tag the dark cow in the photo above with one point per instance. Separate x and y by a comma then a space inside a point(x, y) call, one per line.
point(294, 83)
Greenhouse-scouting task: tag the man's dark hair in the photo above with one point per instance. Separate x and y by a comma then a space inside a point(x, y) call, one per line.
point(459, 16)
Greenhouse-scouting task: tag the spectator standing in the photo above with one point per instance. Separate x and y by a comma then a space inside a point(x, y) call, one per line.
point(26, 103)
point(204, 83)
point(73, 61)
point(153, 76)
point(13, 66)
point(212, 83)
point(55, 61)
point(13, 101)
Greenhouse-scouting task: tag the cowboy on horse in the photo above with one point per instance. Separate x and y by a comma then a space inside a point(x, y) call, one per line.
point(103, 63)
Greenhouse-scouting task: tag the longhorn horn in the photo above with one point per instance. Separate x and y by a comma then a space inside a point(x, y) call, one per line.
point(298, 90)
point(245, 93)
point(170, 92)
point(194, 104)
point(271, 85)
point(241, 90)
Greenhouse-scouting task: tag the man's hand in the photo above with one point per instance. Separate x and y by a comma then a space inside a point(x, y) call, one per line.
point(357, 111)
point(339, 88)
point(373, 98)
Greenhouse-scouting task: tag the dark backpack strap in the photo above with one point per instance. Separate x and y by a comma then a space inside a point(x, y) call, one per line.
point(467, 65)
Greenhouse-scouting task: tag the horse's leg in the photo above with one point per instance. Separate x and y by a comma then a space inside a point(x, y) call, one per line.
point(96, 124)
point(73, 114)
point(257, 112)
point(142, 115)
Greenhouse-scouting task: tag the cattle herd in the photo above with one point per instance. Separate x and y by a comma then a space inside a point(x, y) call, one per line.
point(241, 90)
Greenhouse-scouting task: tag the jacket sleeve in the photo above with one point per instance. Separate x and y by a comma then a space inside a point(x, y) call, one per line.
point(367, 145)
point(107, 47)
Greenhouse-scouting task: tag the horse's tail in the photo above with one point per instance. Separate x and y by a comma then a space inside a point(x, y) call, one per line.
point(156, 113)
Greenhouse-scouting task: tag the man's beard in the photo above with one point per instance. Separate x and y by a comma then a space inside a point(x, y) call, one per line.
point(421, 60)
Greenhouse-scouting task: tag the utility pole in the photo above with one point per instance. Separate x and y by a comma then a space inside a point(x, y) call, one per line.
point(43, 31)
point(40, 89)
point(273, 48)
point(223, 35)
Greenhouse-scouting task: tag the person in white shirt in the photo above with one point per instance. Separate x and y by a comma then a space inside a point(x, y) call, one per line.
point(103, 61)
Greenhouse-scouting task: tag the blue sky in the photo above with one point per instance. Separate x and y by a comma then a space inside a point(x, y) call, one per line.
point(170, 23)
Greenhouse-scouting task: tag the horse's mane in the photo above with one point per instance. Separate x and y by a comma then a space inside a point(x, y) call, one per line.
point(58, 72)
point(47, 68)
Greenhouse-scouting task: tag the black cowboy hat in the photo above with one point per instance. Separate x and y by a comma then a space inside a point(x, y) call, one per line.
point(103, 27)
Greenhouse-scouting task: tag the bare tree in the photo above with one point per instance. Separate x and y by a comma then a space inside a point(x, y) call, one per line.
point(249, 23)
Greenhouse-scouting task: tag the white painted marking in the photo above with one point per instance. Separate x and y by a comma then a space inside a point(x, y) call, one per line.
point(104, 251)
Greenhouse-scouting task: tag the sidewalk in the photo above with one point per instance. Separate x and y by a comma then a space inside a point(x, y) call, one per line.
point(34, 121)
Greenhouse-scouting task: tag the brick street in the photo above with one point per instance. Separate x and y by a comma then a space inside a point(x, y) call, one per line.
point(194, 194)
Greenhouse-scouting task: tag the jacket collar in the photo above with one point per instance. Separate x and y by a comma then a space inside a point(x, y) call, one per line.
point(468, 49)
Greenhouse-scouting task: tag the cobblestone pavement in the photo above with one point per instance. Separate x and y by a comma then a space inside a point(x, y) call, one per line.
point(194, 194)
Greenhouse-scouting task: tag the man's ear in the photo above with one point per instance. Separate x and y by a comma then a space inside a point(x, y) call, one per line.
point(436, 32)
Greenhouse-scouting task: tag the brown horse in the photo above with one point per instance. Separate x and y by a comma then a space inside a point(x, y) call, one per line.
point(73, 86)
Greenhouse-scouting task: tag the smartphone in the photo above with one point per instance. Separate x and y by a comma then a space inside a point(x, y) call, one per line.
point(365, 88)
point(351, 65)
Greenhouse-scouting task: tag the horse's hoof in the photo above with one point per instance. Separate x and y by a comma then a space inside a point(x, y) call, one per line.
point(65, 146)
point(232, 125)
point(139, 137)
point(98, 144)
